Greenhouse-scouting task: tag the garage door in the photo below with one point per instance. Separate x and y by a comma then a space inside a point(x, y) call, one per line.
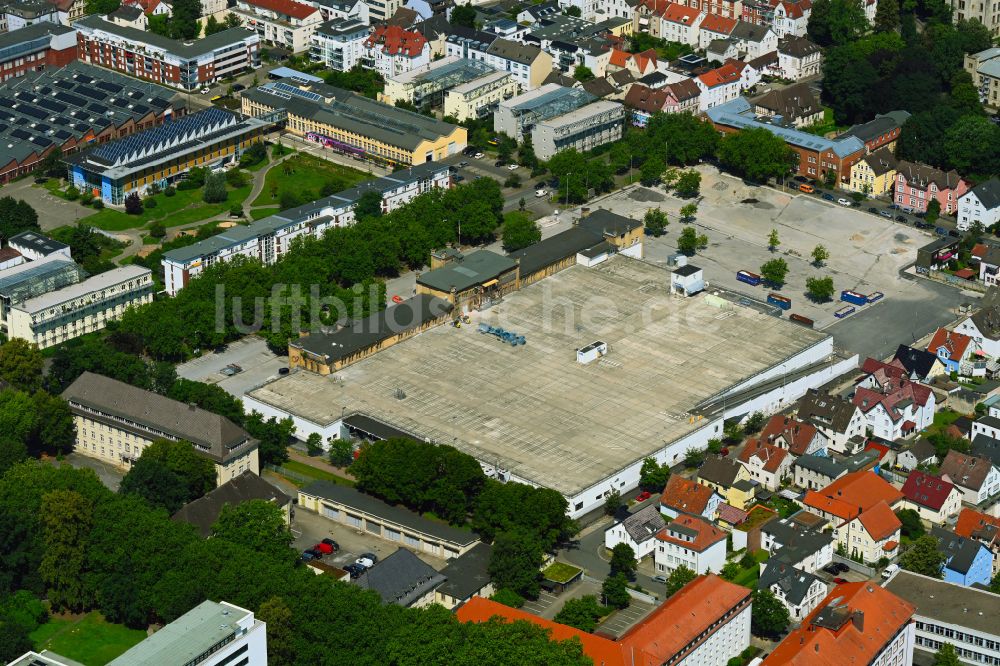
point(331, 512)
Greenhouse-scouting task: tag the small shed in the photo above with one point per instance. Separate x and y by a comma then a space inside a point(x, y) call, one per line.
point(687, 280)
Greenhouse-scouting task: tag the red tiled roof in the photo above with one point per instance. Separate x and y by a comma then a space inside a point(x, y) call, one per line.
point(975, 525)
point(772, 456)
point(890, 546)
point(881, 449)
point(965, 274)
point(955, 343)
point(706, 534)
point(978, 250)
point(850, 626)
point(927, 490)
point(728, 73)
point(730, 514)
point(661, 637)
point(676, 13)
point(686, 495)
point(397, 41)
point(891, 394)
point(718, 24)
point(879, 521)
point(797, 435)
point(644, 58)
point(619, 58)
point(8, 253)
point(793, 10)
point(286, 7)
point(853, 494)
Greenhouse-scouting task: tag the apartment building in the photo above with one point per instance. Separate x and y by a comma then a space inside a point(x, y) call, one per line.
point(158, 156)
point(519, 115)
point(984, 67)
point(981, 205)
point(426, 85)
point(284, 23)
point(586, 128)
point(184, 65)
point(391, 50)
point(986, 12)
point(115, 422)
point(690, 542)
point(267, 240)
point(480, 97)
point(527, 63)
point(35, 48)
point(78, 309)
point(918, 184)
point(380, 11)
point(339, 44)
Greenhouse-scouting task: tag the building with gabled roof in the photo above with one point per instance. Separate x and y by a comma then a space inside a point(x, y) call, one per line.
point(874, 174)
point(860, 505)
point(286, 23)
point(978, 479)
point(768, 465)
point(917, 184)
point(858, 623)
point(403, 579)
point(686, 496)
point(983, 326)
point(840, 422)
point(795, 105)
point(967, 562)
point(799, 58)
point(204, 511)
point(799, 591)
point(920, 452)
point(893, 405)
point(934, 498)
point(391, 51)
point(801, 541)
point(638, 530)
point(919, 363)
point(979, 205)
point(691, 542)
point(798, 437)
point(982, 527)
point(813, 472)
point(467, 576)
point(951, 348)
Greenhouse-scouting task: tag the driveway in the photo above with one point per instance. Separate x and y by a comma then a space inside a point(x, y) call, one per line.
point(250, 353)
point(109, 475)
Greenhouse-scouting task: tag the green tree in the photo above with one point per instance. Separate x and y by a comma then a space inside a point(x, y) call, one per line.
point(774, 272)
point(17, 415)
point(730, 571)
point(508, 598)
point(133, 204)
point(615, 591)
point(933, 210)
point(687, 242)
point(515, 562)
point(212, 26)
point(887, 16)
point(769, 616)
point(913, 527)
point(773, 242)
point(21, 364)
point(155, 483)
point(651, 171)
point(341, 452)
point(848, 78)
point(54, 431)
point(582, 73)
point(612, 503)
point(678, 578)
point(653, 476)
point(102, 7)
point(714, 446)
point(519, 231)
point(623, 561)
point(259, 525)
point(688, 183)
point(819, 255)
point(756, 154)
point(314, 444)
point(184, 19)
point(12, 451)
point(819, 289)
point(66, 518)
point(369, 204)
point(572, 10)
point(694, 457)
point(688, 211)
point(655, 222)
point(946, 656)
point(972, 145)
point(464, 15)
point(754, 423)
point(280, 631)
point(14, 641)
point(581, 613)
point(215, 188)
point(834, 22)
point(923, 557)
point(684, 137)
point(273, 435)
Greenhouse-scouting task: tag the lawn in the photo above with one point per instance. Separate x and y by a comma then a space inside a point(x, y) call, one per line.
point(748, 577)
point(89, 639)
point(826, 125)
point(185, 207)
point(560, 572)
point(261, 213)
point(315, 473)
point(303, 177)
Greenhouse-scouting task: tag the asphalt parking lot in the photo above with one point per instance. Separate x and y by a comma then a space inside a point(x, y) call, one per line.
point(250, 353)
point(622, 620)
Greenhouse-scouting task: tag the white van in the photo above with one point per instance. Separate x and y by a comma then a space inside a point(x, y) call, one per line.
point(889, 571)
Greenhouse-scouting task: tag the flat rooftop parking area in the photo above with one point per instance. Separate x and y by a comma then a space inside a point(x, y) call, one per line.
point(535, 410)
point(866, 254)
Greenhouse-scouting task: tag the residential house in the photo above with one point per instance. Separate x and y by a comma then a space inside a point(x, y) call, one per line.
point(533, 14)
point(917, 184)
point(983, 326)
point(985, 446)
point(836, 419)
point(977, 478)
point(765, 65)
point(402, 579)
point(644, 102)
point(640, 64)
point(682, 96)
point(753, 40)
point(799, 591)
point(714, 27)
point(339, 43)
point(637, 531)
point(860, 504)
point(934, 498)
point(796, 436)
point(768, 465)
point(951, 348)
point(979, 205)
point(680, 24)
point(857, 623)
point(719, 51)
point(728, 478)
point(685, 496)
point(881, 132)
point(795, 105)
point(921, 452)
point(691, 542)
point(984, 67)
point(284, 23)
point(529, 64)
point(798, 58)
point(205, 511)
point(719, 86)
point(791, 18)
point(920, 363)
point(875, 174)
point(391, 51)
point(812, 472)
point(467, 576)
point(801, 541)
point(987, 425)
point(984, 528)
point(989, 266)
point(893, 405)
point(967, 561)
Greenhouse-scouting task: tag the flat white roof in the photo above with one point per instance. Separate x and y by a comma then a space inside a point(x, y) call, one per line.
point(90, 285)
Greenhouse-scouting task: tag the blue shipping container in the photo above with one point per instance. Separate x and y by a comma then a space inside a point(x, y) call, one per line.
point(853, 297)
point(844, 311)
point(782, 302)
point(748, 277)
point(875, 296)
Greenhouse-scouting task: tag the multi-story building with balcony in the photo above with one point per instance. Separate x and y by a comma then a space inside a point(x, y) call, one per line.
point(339, 44)
point(146, 55)
point(984, 67)
point(284, 23)
point(480, 97)
point(584, 129)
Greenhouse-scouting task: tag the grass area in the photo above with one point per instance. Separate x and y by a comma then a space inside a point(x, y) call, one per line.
point(748, 576)
point(784, 507)
point(560, 572)
point(944, 418)
point(89, 639)
point(757, 516)
point(315, 473)
point(826, 125)
point(261, 213)
point(303, 177)
point(185, 207)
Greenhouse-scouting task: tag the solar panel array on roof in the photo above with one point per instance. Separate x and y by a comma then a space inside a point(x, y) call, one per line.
point(170, 134)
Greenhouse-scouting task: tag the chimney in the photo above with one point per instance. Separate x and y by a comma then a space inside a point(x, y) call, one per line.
point(858, 618)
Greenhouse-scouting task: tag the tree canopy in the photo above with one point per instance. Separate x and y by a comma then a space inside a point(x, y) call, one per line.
point(923, 557)
point(757, 154)
point(16, 215)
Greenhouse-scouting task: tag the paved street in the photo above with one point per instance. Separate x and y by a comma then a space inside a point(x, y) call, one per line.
point(250, 353)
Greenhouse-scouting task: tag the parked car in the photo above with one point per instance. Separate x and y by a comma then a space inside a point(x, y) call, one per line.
point(354, 570)
point(941, 231)
point(397, 299)
point(512, 166)
point(839, 580)
point(479, 155)
point(885, 214)
point(873, 210)
point(324, 548)
point(364, 562)
point(921, 225)
point(330, 542)
point(831, 569)
point(841, 567)
point(643, 496)
point(954, 233)
point(221, 348)
point(541, 192)
point(499, 163)
point(724, 452)
point(921, 214)
point(463, 164)
point(283, 371)
point(889, 570)
point(660, 579)
point(828, 196)
point(205, 91)
point(844, 202)
point(311, 554)
point(458, 178)
point(807, 188)
point(238, 87)
point(902, 218)
point(370, 556)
